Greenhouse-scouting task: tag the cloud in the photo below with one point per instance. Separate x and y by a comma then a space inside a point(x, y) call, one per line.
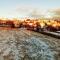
point(24, 9)
point(55, 12)
point(30, 11)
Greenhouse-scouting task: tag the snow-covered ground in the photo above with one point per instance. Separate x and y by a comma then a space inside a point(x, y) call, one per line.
point(27, 45)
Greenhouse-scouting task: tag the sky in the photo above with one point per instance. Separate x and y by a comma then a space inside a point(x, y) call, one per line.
point(24, 8)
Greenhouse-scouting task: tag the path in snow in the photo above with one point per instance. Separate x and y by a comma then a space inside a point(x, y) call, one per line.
point(18, 45)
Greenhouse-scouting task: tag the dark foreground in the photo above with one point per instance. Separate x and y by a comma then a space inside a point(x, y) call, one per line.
point(21, 44)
